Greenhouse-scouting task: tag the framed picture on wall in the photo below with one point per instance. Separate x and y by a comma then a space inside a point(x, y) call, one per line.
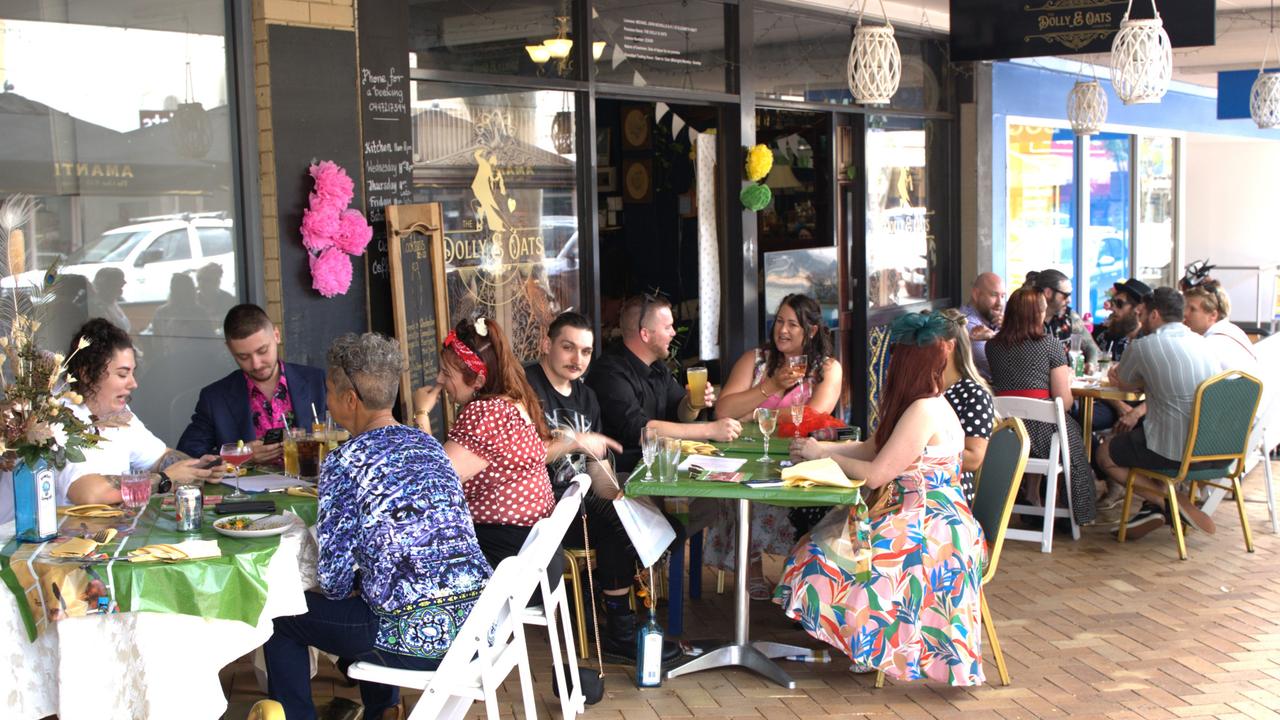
point(606, 179)
point(637, 180)
point(636, 131)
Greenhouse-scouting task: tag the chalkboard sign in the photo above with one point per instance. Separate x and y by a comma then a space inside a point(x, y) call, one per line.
point(415, 245)
point(314, 116)
point(386, 138)
point(1002, 29)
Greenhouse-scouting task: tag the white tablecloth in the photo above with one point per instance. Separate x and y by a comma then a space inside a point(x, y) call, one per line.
point(140, 665)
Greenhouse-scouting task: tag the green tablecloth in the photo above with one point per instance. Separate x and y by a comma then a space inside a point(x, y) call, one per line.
point(231, 587)
point(752, 441)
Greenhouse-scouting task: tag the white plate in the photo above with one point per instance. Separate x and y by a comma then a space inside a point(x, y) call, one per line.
point(284, 523)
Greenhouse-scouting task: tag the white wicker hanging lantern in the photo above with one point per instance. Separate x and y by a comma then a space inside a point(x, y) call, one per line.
point(875, 63)
point(1087, 107)
point(1264, 99)
point(1141, 59)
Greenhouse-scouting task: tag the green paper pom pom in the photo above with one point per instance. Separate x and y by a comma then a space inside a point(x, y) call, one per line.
point(756, 197)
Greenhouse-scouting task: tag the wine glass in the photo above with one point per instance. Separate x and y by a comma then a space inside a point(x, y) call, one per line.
point(649, 450)
point(799, 364)
point(798, 401)
point(767, 419)
point(236, 454)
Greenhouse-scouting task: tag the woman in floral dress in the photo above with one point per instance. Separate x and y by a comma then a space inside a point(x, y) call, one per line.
point(916, 612)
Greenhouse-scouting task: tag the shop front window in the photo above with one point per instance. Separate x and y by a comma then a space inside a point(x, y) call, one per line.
point(903, 202)
point(662, 43)
point(1041, 223)
point(498, 164)
point(1107, 237)
point(129, 158)
point(531, 38)
point(1155, 211)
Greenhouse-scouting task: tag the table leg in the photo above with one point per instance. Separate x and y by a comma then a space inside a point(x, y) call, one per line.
point(740, 652)
point(1086, 426)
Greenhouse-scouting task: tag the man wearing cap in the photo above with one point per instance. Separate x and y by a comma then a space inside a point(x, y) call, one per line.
point(1122, 325)
point(1060, 320)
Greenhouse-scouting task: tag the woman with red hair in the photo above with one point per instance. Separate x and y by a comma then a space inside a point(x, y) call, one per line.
point(913, 608)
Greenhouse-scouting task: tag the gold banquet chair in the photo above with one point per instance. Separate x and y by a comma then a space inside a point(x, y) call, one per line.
point(1220, 430)
point(997, 484)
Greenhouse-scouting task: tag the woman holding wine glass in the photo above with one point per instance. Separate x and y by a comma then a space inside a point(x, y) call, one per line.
point(101, 358)
point(795, 367)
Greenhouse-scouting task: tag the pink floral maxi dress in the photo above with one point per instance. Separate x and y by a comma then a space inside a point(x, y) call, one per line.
point(918, 615)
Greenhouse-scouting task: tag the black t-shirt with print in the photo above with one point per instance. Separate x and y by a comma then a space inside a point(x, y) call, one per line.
point(579, 410)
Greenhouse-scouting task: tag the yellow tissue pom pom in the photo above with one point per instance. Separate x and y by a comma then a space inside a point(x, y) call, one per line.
point(759, 162)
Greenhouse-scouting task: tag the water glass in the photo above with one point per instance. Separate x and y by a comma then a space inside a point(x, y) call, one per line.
point(670, 459)
point(135, 490)
point(649, 451)
point(767, 419)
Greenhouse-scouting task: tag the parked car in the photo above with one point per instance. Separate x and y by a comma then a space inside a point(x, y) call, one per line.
point(149, 253)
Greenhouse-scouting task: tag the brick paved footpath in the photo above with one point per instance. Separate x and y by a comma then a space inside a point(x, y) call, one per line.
point(1093, 630)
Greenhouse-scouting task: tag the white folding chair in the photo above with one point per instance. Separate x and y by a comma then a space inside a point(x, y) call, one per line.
point(488, 646)
point(542, 545)
point(1059, 460)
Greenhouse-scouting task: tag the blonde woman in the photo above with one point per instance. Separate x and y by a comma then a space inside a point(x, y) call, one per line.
point(969, 395)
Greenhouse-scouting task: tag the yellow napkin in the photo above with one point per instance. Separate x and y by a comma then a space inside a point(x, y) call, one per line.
point(823, 471)
point(693, 447)
point(302, 491)
point(98, 511)
point(188, 550)
point(74, 548)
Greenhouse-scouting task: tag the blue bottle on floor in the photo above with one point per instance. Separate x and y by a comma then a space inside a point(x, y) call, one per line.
point(649, 647)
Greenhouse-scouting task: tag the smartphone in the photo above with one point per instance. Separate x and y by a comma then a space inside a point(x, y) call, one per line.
point(273, 436)
point(216, 462)
point(764, 483)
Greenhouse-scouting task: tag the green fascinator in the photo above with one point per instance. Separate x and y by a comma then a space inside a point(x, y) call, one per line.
point(918, 329)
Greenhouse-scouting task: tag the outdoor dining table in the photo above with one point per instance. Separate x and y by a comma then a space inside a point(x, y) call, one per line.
point(1090, 390)
point(170, 628)
point(741, 651)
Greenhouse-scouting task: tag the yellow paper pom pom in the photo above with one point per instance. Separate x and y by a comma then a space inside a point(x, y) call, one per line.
point(759, 162)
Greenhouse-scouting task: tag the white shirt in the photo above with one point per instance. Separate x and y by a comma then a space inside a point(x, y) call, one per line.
point(1232, 347)
point(126, 449)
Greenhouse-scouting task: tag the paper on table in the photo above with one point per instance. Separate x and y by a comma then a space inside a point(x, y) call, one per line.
point(262, 483)
point(713, 463)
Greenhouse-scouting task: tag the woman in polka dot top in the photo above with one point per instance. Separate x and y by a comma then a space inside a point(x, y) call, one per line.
point(969, 396)
point(497, 443)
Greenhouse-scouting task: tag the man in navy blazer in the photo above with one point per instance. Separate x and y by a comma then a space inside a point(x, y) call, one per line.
point(264, 394)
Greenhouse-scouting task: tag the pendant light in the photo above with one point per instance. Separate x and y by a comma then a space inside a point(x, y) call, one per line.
point(1264, 99)
point(1141, 59)
point(1087, 106)
point(875, 63)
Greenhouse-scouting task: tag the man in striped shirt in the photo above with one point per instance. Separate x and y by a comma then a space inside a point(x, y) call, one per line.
point(1167, 363)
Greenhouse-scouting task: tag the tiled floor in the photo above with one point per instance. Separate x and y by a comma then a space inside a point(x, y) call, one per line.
point(1095, 629)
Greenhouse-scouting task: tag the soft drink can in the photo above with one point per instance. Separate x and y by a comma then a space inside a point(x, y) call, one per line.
point(189, 503)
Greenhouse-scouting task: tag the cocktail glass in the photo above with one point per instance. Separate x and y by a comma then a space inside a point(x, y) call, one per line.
point(236, 454)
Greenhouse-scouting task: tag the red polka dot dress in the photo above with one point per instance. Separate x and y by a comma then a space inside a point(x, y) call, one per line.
point(515, 488)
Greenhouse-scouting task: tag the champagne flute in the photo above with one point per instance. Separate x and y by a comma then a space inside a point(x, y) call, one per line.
point(798, 401)
point(767, 419)
point(649, 450)
point(236, 454)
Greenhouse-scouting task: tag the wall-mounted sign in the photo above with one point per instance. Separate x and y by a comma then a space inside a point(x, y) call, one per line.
point(1002, 29)
point(151, 118)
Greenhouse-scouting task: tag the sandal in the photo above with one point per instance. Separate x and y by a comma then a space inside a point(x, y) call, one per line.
point(758, 589)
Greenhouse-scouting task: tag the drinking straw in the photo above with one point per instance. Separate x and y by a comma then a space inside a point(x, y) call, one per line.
point(314, 415)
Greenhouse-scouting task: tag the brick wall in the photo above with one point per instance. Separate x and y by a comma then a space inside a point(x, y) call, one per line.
point(328, 14)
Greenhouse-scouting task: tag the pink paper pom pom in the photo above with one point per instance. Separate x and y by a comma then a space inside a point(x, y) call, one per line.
point(353, 232)
point(331, 272)
point(319, 227)
point(333, 189)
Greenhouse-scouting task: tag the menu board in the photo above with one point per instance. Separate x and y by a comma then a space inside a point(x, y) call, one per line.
point(386, 140)
point(415, 242)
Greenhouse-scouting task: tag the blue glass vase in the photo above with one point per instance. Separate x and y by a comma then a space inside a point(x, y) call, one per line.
point(35, 505)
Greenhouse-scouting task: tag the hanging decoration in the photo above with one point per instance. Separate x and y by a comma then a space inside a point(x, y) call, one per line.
point(875, 63)
point(757, 195)
point(189, 128)
point(1264, 99)
point(1141, 59)
point(1087, 107)
point(332, 232)
point(562, 132)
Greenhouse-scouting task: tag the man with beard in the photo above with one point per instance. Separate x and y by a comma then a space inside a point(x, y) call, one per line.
point(636, 389)
point(1060, 320)
point(573, 414)
point(984, 313)
point(1122, 326)
point(258, 401)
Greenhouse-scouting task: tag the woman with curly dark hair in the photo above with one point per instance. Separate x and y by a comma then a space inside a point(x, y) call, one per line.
point(103, 371)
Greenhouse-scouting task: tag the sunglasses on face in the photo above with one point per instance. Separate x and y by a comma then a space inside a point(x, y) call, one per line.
point(1119, 303)
point(1065, 295)
point(649, 299)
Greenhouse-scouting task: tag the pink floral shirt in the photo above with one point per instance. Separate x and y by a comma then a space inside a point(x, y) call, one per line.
point(267, 411)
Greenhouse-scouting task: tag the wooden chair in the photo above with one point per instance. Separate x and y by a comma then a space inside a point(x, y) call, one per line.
point(997, 488)
point(1059, 460)
point(1220, 430)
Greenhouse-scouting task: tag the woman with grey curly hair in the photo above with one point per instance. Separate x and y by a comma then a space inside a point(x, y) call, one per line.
point(392, 506)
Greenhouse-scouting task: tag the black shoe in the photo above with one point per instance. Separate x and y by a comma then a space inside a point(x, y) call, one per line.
point(1149, 518)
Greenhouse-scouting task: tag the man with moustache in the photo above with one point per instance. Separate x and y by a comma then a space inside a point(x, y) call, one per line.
point(1061, 321)
point(573, 414)
point(984, 312)
point(1121, 327)
point(264, 395)
point(636, 389)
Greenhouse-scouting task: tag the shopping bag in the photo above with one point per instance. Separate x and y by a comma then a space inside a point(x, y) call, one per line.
point(647, 527)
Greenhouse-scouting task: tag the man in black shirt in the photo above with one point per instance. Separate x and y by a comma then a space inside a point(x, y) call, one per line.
point(573, 414)
point(636, 389)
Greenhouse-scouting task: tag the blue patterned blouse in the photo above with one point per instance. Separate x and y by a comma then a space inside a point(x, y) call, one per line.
point(391, 505)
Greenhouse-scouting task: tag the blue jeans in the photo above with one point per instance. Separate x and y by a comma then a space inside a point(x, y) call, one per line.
point(346, 628)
